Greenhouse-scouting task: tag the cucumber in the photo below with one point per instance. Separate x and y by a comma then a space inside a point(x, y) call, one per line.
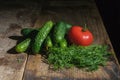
point(59, 31)
point(48, 42)
point(23, 46)
point(63, 43)
point(26, 31)
point(41, 35)
point(29, 32)
point(68, 26)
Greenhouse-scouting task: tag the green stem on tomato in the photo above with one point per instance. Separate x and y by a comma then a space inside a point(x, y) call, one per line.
point(84, 28)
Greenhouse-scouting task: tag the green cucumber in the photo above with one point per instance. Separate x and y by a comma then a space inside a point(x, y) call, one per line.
point(68, 26)
point(41, 35)
point(48, 42)
point(63, 43)
point(23, 46)
point(59, 31)
point(26, 31)
point(29, 32)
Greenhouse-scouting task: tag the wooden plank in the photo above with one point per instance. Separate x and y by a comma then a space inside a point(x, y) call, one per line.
point(33, 65)
point(37, 69)
point(11, 64)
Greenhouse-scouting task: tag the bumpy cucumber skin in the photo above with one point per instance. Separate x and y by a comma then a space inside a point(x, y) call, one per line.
point(26, 31)
point(23, 46)
point(48, 42)
point(29, 32)
point(59, 31)
point(41, 35)
point(63, 43)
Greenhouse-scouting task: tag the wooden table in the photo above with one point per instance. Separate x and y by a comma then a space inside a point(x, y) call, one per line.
point(31, 67)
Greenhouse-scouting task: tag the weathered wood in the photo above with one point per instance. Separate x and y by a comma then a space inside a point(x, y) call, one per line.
point(37, 69)
point(11, 64)
point(32, 67)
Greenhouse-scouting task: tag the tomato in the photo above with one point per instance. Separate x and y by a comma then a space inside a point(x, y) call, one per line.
point(79, 36)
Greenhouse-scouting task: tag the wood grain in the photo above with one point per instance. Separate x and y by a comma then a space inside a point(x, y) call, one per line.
point(11, 64)
point(14, 66)
point(37, 69)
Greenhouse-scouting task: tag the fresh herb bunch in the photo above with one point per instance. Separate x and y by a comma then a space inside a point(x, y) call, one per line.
point(88, 57)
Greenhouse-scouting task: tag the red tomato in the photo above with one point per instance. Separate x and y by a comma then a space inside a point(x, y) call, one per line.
point(77, 36)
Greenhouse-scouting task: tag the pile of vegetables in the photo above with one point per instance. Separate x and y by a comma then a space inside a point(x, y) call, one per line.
point(64, 46)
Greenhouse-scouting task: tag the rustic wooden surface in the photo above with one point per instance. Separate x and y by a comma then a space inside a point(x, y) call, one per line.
point(31, 67)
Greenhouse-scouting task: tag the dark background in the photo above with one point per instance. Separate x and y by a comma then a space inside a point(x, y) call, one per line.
point(110, 12)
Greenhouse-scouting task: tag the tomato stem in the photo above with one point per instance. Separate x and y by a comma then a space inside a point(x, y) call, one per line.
point(84, 28)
